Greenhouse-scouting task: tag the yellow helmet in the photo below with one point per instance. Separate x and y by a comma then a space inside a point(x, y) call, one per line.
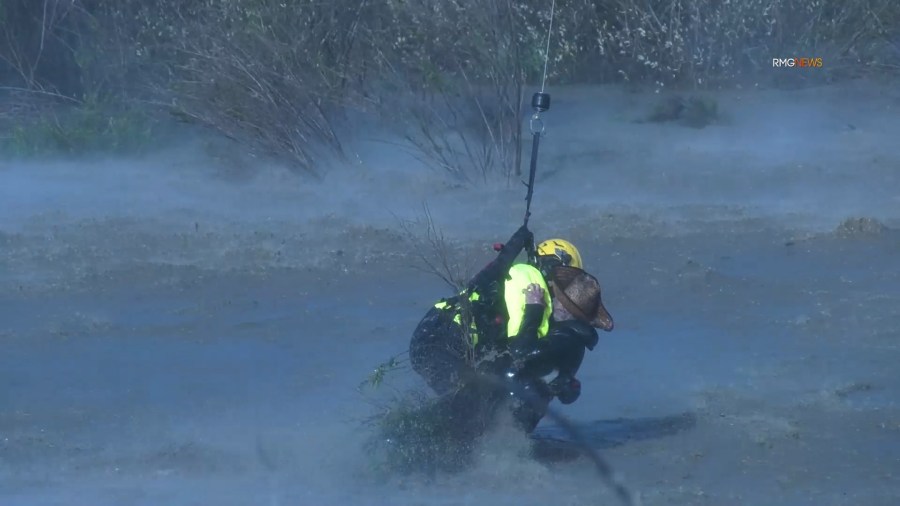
point(563, 250)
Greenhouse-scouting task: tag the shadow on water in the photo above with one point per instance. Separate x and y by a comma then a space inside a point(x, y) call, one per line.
point(554, 444)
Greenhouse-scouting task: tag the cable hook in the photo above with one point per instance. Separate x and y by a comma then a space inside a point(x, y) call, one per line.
point(536, 124)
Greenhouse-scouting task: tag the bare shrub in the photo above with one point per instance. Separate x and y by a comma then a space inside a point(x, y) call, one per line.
point(278, 76)
point(710, 42)
point(32, 35)
point(433, 252)
point(460, 67)
point(271, 74)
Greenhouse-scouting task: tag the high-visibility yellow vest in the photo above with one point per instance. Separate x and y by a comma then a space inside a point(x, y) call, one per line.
point(520, 276)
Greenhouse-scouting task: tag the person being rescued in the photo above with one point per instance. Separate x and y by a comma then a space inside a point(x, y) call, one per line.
point(517, 321)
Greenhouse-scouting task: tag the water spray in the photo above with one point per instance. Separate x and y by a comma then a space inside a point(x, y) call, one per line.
point(604, 470)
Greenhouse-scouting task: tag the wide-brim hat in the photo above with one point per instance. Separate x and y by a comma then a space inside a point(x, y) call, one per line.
point(579, 293)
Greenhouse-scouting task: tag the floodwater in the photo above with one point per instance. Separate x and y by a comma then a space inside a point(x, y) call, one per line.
point(192, 327)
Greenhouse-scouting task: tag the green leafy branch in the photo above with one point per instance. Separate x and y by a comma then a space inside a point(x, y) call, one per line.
point(376, 378)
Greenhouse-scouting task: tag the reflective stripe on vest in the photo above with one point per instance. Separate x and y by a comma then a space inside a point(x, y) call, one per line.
point(457, 318)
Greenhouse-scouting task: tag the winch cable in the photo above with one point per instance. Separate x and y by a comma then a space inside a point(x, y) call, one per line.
point(540, 102)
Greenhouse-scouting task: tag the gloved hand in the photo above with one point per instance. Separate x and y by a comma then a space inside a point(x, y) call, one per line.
point(534, 294)
point(498, 268)
point(566, 388)
point(523, 236)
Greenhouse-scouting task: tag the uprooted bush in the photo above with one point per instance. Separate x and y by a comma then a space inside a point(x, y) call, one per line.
point(416, 433)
